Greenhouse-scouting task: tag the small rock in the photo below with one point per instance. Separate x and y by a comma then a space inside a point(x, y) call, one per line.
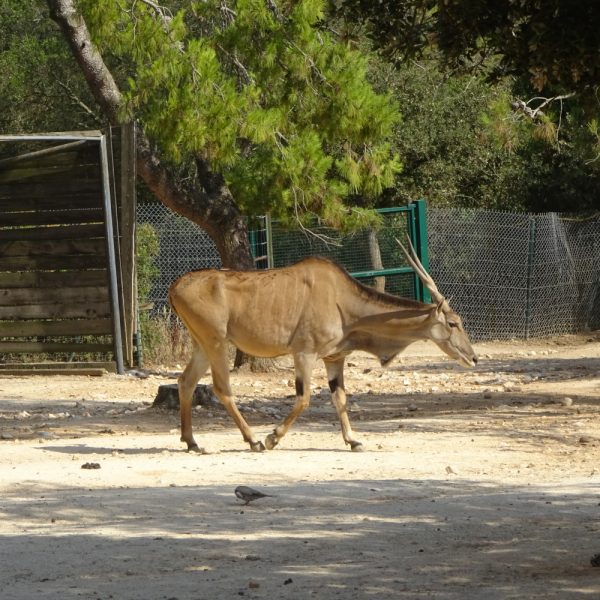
point(566, 401)
point(254, 585)
point(291, 383)
point(533, 353)
point(290, 580)
point(47, 435)
point(413, 407)
point(451, 471)
point(209, 450)
point(586, 439)
point(252, 557)
point(6, 436)
point(90, 466)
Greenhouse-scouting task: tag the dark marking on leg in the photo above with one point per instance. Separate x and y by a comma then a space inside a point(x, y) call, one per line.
point(299, 387)
point(333, 385)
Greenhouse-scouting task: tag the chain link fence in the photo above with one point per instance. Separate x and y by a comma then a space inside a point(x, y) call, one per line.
point(515, 275)
point(184, 247)
point(509, 275)
point(360, 252)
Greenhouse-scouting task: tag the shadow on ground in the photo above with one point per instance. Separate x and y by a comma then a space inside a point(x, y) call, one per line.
point(342, 539)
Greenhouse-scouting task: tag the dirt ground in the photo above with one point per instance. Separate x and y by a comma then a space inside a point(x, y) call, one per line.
point(517, 516)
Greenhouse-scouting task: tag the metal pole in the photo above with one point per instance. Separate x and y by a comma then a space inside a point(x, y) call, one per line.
point(421, 243)
point(530, 259)
point(269, 231)
point(112, 263)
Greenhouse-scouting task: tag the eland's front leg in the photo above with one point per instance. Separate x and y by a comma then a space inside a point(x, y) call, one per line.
point(304, 364)
point(335, 376)
point(187, 382)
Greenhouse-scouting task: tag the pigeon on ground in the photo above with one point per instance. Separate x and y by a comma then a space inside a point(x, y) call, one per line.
point(247, 494)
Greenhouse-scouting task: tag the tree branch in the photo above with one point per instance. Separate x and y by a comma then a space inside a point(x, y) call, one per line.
point(84, 106)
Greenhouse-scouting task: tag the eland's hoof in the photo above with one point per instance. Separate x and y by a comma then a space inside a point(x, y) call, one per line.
point(271, 441)
point(257, 447)
point(357, 447)
point(194, 448)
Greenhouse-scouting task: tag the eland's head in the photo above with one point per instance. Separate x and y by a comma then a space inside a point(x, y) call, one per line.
point(444, 326)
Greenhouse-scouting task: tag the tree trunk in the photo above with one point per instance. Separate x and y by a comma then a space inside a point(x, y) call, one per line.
point(376, 259)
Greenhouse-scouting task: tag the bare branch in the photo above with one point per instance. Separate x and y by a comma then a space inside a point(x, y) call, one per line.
point(561, 98)
point(84, 106)
point(159, 10)
point(238, 64)
point(308, 232)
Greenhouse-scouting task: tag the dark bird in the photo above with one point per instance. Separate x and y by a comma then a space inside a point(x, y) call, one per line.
point(247, 494)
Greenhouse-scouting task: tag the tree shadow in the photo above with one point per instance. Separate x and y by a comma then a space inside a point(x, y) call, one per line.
point(355, 538)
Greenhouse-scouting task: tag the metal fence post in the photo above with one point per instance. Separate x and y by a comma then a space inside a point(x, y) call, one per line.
point(112, 264)
point(421, 245)
point(530, 259)
point(269, 231)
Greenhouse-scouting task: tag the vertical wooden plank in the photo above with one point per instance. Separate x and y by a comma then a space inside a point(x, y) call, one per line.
point(128, 233)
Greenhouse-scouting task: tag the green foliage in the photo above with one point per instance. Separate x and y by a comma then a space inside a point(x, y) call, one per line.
point(41, 86)
point(554, 42)
point(256, 89)
point(463, 144)
point(147, 249)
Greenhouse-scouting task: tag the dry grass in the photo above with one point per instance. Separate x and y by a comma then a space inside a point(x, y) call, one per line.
point(165, 340)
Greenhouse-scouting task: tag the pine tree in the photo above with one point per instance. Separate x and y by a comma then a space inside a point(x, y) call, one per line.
point(245, 108)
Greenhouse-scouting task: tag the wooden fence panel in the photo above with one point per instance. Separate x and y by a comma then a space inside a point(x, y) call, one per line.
point(56, 328)
point(24, 296)
point(99, 310)
point(54, 278)
point(53, 233)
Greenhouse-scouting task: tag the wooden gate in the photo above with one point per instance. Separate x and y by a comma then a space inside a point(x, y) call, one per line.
point(67, 247)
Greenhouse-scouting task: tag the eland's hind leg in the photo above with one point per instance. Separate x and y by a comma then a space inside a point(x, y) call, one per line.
point(335, 376)
point(186, 383)
point(219, 365)
point(304, 364)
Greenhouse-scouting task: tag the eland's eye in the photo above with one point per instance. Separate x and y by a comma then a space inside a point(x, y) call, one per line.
point(452, 324)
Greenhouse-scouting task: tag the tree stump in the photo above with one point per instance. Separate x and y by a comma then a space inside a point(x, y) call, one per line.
point(168, 396)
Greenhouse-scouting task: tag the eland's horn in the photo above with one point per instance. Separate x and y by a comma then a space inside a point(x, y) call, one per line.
point(419, 269)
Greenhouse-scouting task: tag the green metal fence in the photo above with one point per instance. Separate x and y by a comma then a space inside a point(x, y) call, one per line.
point(370, 255)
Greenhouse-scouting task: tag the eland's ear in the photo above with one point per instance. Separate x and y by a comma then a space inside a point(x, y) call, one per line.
point(439, 308)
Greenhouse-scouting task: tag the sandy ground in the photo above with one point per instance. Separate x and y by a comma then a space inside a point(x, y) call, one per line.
point(518, 518)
